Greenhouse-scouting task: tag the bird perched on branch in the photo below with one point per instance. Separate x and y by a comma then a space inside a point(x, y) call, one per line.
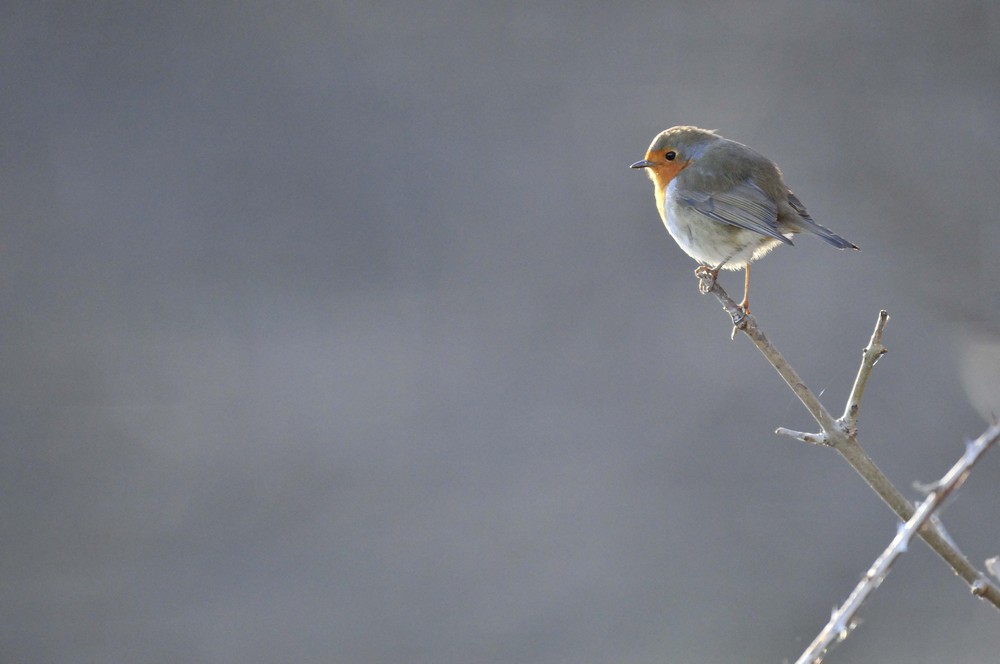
point(723, 203)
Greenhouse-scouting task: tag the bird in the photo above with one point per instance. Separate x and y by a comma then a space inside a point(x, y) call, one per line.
point(723, 203)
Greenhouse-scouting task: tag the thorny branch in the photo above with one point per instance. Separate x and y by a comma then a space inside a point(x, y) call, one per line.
point(843, 620)
point(841, 435)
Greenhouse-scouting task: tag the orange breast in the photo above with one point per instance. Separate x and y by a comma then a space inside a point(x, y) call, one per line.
point(664, 172)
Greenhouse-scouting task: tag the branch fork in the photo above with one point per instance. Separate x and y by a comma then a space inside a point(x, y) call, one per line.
point(842, 434)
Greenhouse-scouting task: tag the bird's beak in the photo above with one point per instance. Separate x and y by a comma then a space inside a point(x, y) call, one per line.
point(642, 164)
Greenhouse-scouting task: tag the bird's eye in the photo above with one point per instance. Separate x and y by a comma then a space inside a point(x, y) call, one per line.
point(671, 155)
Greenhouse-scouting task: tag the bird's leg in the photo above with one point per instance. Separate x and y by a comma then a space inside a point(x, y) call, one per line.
point(745, 304)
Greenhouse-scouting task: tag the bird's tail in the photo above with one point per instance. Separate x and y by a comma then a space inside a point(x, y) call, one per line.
point(812, 227)
point(806, 223)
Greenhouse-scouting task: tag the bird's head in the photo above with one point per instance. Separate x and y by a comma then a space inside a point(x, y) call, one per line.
point(672, 151)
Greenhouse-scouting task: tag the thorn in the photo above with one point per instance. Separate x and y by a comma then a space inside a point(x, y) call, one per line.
point(927, 488)
point(993, 566)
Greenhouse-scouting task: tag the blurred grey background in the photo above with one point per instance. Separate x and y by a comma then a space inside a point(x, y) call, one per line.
point(342, 332)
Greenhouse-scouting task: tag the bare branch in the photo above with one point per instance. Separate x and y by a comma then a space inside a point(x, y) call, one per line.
point(846, 443)
point(843, 619)
point(748, 325)
point(870, 355)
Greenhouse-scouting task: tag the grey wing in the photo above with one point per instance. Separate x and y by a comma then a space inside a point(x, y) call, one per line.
point(797, 205)
point(744, 205)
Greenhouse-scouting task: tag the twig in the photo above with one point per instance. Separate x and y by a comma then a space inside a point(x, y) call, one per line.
point(748, 325)
point(842, 437)
point(871, 354)
point(811, 438)
point(843, 619)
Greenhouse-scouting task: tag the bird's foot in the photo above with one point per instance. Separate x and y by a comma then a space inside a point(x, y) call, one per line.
point(745, 306)
point(739, 322)
point(706, 278)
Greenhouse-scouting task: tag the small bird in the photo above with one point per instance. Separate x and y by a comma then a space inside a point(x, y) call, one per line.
point(723, 203)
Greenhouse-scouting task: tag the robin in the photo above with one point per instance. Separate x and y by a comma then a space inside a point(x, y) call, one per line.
point(723, 203)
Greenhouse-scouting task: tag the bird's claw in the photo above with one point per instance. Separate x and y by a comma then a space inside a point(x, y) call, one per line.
point(739, 321)
point(706, 278)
